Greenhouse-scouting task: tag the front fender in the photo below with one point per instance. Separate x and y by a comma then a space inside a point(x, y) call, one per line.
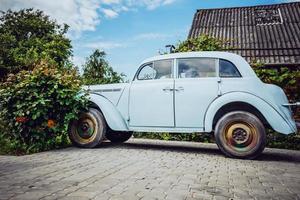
point(274, 117)
point(112, 116)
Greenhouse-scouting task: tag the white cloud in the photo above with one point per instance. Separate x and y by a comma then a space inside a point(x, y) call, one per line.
point(166, 2)
point(109, 13)
point(78, 61)
point(82, 15)
point(108, 45)
point(150, 36)
point(105, 45)
point(152, 4)
point(111, 1)
point(149, 4)
point(79, 15)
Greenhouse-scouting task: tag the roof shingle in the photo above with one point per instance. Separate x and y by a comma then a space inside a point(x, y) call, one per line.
point(268, 33)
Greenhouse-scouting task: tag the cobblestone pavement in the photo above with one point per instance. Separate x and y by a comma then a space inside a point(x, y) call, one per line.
point(149, 169)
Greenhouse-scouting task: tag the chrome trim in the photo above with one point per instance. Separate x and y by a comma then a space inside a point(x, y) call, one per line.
point(107, 90)
point(291, 104)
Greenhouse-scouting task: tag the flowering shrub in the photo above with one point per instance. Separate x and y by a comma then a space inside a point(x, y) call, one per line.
point(36, 107)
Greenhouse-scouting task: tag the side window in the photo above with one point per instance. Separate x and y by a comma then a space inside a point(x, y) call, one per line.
point(196, 67)
point(158, 70)
point(227, 69)
point(147, 72)
point(163, 69)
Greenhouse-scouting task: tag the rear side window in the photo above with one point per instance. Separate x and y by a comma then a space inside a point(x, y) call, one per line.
point(196, 67)
point(228, 70)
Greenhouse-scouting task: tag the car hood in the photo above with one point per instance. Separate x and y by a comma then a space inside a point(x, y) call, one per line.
point(112, 92)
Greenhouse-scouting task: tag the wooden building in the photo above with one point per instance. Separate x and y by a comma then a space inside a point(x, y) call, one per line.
point(269, 33)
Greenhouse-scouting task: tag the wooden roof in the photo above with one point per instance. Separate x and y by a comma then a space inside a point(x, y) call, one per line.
point(268, 33)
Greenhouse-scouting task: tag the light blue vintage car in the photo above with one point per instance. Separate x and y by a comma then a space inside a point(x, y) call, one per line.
point(214, 92)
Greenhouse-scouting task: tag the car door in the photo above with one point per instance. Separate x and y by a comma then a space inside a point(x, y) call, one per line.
point(196, 86)
point(151, 95)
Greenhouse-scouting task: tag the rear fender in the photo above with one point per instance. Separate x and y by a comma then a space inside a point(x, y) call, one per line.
point(273, 117)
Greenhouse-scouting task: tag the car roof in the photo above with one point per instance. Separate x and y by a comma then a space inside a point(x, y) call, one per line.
point(210, 54)
point(237, 60)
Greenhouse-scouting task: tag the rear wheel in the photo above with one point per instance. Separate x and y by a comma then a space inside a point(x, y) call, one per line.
point(240, 134)
point(118, 136)
point(89, 130)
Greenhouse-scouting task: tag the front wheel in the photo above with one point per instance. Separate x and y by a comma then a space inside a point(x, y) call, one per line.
point(88, 130)
point(118, 136)
point(240, 134)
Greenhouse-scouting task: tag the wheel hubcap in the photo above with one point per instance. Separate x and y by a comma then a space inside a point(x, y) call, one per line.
point(85, 128)
point(241, 136)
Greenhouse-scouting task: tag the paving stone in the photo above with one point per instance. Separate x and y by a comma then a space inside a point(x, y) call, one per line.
point(149, 169)
point(5, 196)
point(88, 195)
point(74, 198)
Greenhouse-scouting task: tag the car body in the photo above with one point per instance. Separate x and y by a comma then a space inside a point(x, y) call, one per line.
point(190, 92)
point(159, 105)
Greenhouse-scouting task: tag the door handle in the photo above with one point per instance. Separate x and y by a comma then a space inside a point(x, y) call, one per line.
point(167, 89)
point(179, 89)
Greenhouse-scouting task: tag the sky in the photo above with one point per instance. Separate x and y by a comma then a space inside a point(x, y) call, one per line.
point(129, 31)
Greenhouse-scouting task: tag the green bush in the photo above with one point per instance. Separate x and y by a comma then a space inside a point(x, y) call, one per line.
point(195, 137)
point(277, 140)
point(28, 36)
point(201, 43)
point(97, 70)
point(36, 107)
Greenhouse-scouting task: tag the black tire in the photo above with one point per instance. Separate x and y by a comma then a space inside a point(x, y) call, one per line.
point(118, 136)
point(240, 134)
point(89, 130)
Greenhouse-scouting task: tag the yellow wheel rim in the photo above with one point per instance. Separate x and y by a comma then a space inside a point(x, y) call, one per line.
point(84, 129)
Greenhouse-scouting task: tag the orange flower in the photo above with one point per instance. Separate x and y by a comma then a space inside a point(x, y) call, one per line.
point(50, 123)
point(21, 119)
